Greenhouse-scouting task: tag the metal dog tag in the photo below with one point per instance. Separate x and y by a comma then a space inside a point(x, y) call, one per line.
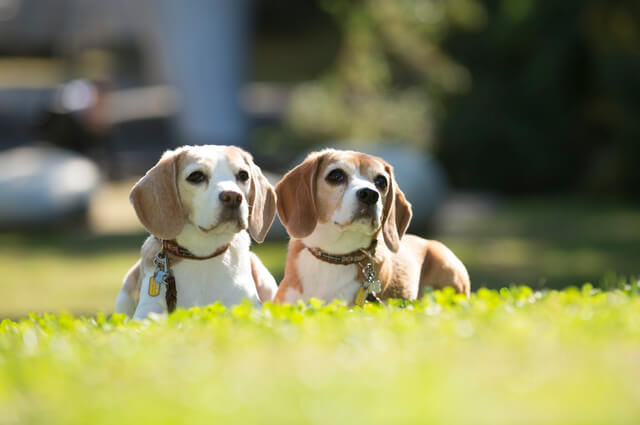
point(159, 277)
point(154, 286)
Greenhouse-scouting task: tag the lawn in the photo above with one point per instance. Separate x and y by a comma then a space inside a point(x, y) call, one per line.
point(508, 356)
point(540, 243)
point(503, 357)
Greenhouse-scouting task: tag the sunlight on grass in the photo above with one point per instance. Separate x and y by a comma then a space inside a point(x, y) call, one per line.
point(503, 357)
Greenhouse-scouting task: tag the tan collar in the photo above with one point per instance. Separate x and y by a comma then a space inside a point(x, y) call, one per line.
point(173, 248)
point(353, 257)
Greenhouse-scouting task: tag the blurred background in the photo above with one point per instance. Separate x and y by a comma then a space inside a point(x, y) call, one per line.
point(513, 125)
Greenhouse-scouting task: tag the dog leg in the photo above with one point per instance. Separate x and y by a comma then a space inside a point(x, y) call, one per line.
point(126, 301)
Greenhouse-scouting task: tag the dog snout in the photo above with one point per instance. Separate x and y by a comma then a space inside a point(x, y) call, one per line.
point(367, 196)
point(230, 199)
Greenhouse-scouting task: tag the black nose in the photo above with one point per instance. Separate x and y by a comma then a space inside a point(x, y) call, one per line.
point(230, 199)
point(367, 196)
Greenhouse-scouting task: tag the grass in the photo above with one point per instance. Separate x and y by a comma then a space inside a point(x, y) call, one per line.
point(503, 357)
point(76, 272)
point(539, 243)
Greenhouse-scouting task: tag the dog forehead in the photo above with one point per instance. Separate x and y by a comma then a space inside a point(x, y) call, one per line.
point(205, 154)
point(366, 164)
point(212, 156)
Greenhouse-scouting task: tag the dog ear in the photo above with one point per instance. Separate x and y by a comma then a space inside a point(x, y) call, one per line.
point(297, 197)
point(156, 199)
point(397, 213)
point(262, 202)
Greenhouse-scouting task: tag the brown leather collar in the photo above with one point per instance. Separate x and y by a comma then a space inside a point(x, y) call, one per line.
point(353, 257)
point(173, 248)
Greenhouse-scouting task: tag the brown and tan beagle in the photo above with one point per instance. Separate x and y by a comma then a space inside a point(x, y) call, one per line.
point(344, 208)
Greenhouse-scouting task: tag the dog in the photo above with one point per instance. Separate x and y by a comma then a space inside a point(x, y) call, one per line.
point(197, 203)
point(347, 220)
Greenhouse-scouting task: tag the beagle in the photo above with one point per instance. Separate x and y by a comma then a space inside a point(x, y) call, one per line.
point(347, 219)
point(197, 202)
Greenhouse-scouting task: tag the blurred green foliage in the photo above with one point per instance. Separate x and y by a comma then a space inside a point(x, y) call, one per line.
point(390, 73)
point(513, 356)
point(555, 100)
point(544, 92)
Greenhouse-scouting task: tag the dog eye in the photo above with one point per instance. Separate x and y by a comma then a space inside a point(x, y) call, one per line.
point(196, 177)
point(336, 176)
point(381, 182)
point(242, 176)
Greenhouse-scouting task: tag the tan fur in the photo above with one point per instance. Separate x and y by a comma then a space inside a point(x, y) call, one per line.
point(397, 213)
point(258, 272)
point(402, 261)
point(158, 191)
point(262, 199)
point(429, 261)
point(291, 281)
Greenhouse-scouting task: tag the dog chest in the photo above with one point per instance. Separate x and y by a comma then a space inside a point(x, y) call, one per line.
point(326, 281)
point(200, 283)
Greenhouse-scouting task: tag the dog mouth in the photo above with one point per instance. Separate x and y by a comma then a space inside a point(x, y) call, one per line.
point(227, 224)
point(364, 217)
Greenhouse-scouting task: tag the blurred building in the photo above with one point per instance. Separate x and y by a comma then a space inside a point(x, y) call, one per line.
point(192, 58)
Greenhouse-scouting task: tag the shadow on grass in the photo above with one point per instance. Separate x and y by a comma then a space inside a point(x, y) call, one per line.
point(548, 243)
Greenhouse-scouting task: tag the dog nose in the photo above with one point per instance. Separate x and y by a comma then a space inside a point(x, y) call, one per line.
point(367, 196)
point(230, 199)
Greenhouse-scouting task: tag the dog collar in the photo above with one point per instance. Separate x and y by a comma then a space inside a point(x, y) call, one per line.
point(173, 248)
point(353, 257)
point(371, 286)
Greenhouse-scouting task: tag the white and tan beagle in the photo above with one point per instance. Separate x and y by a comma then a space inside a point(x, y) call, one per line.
point(343, 209)
point(197, 202)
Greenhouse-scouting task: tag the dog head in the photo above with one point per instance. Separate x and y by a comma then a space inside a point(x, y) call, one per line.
point(208, 190)
point(340, 200)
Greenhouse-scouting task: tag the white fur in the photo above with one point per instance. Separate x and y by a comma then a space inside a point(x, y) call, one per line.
point(125, 304)
point(350, 204)
point(292, 296)
point(334, 239)
point(343, 234)
point(325, 281)
point(206, 206)
point(226, 278)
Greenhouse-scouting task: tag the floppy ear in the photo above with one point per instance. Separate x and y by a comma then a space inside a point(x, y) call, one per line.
point(397, 214)
point(297, 198)
point(156, 198)
point(262, 202)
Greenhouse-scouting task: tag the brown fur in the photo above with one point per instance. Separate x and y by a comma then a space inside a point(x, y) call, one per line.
point(298, 188)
